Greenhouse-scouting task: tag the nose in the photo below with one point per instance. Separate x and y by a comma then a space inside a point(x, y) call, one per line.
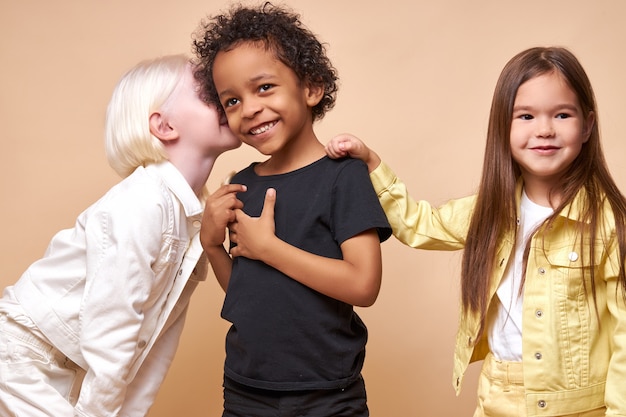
point(545, 127)
point(250, 107)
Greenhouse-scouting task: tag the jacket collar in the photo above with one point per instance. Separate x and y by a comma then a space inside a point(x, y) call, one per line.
point(573, 211)
point(178, 185)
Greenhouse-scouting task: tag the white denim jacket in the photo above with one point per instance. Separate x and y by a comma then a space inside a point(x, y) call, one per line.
point(112, 292)
point(571, 362)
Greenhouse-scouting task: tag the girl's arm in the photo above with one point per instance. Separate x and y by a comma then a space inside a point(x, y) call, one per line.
point(123, 242)
point(417, 223)
point(142, 391)
point(414, 222)
point(218, 213)
point(614, 392)
point(355, 279)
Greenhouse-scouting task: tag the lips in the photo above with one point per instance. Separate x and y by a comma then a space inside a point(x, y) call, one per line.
point(262, 128)
point(545, 148)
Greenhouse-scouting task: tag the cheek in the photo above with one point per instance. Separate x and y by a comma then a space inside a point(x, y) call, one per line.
point(515, 154)
point(516, 139)
point(232, 120)
point(520, 133)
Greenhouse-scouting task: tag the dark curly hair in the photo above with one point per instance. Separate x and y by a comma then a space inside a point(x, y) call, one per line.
point(280, 31)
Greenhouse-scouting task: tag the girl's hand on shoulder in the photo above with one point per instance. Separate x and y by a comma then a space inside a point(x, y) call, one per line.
point(349, 145)
point(346, 144)
point(219, 212)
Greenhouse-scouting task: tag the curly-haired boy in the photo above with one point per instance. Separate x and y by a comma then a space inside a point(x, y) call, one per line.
point(296, 345)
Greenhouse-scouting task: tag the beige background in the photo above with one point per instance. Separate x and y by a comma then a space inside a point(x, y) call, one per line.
point(416, 84)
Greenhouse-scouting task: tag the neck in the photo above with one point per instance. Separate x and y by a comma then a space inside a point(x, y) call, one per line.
point(293, 155)
point(539, 193)
point(195, 168)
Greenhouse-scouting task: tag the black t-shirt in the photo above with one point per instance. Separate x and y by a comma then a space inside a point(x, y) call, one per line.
point(284, 335)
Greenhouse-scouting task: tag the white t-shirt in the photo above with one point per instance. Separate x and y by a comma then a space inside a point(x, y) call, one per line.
point(505, 332)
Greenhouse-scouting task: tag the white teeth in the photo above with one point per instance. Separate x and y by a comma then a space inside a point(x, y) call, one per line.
point(262, 129)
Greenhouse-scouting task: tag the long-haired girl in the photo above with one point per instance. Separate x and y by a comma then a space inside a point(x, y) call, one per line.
point(543, 282)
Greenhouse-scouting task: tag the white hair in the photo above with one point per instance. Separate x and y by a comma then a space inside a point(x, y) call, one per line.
point(140, 92)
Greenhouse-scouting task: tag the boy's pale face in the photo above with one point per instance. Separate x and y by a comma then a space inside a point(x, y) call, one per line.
point(198, 125)
point(548, 129)
point(266, 104)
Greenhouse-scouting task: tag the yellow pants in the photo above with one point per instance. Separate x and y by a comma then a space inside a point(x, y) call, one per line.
point(501, 391)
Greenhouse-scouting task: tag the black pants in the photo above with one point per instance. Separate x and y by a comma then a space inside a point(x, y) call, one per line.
point(243, 401)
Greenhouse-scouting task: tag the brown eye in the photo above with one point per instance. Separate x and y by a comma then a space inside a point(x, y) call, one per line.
point(230, 102)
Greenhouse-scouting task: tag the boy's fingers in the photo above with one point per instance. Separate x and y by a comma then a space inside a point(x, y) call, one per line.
point(230, 188)
point(268, 205)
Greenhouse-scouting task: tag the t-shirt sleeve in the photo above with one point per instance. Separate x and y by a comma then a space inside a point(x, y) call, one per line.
point(355, 206)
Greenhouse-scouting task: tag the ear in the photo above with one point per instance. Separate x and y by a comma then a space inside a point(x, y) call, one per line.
point(313, 94)
point(160, 128)
point(588, 126)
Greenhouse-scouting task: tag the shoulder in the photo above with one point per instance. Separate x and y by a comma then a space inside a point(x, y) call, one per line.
point(609, 221)
point(342, 164)
point(579, 206)
point(344, 170)
point(245, 173)
point(137, 195)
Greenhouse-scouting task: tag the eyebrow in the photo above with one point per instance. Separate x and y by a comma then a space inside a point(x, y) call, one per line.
point(253, 80)
point(261, 76)
point(559, 106)
point(221, 94)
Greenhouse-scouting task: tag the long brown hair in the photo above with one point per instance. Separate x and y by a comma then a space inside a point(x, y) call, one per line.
point(495, 210)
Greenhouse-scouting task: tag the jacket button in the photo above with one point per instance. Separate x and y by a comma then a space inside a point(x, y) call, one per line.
point(542, 271)
point(197, 223)
point(573, 256)
point(541, 404)
point(141, 344)
point(539, 313)
point(538, 355)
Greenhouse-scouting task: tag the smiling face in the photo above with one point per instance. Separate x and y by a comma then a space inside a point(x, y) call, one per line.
point(548, 129)
point(266, 104)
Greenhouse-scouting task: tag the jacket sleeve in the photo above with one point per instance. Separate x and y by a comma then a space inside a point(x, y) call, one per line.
point(143, 390)
point(124, 244)
point(417, 223)
point(615, 399)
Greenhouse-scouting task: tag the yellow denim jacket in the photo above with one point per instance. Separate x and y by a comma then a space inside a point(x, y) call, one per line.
point(571, 362)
